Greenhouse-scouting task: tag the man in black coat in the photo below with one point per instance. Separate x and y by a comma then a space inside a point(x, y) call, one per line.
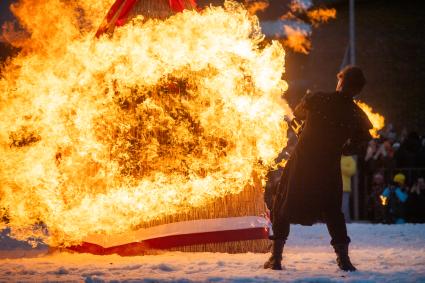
point(310, 189)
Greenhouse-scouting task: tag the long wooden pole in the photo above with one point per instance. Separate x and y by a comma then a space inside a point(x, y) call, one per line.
point(352, 33)
point(352, 48)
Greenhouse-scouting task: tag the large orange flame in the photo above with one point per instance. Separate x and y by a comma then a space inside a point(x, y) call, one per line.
point(297, 39)
point(377, 120)
point(97, 136)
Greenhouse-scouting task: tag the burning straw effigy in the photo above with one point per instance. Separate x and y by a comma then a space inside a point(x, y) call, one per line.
point(161, 121)
point(250, 202)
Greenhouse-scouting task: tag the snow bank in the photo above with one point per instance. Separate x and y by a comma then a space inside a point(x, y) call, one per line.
point(382, 253)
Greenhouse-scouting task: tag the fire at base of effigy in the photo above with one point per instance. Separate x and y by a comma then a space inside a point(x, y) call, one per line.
point(157, 121)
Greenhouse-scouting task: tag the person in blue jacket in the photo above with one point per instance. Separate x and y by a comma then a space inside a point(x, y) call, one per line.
point(394, 199)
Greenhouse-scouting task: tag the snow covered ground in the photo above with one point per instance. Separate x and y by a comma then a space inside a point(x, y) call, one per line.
point(382, 253)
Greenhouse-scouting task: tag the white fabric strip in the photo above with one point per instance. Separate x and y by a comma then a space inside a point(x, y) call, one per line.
point(179, 228)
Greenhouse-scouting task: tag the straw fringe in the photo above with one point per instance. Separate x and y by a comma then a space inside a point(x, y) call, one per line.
point(250, 202)
point(156, 9)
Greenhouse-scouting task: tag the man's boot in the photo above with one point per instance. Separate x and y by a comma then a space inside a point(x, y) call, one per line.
point(342, 258)
point(275, 261)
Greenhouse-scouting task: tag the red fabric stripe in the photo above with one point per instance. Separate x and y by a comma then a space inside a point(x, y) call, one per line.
point(169, 242)
point(207, 237)
point(177, 5)
point(122, 19)
point(113, 10)
point(193, 2)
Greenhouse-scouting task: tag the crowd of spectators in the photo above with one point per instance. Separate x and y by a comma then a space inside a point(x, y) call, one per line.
point(390, 151)
point(393, 170)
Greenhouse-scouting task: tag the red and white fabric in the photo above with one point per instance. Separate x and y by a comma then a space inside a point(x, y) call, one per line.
point(178, 234)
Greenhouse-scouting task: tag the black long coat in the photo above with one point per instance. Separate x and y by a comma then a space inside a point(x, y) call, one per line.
point(311, 183)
